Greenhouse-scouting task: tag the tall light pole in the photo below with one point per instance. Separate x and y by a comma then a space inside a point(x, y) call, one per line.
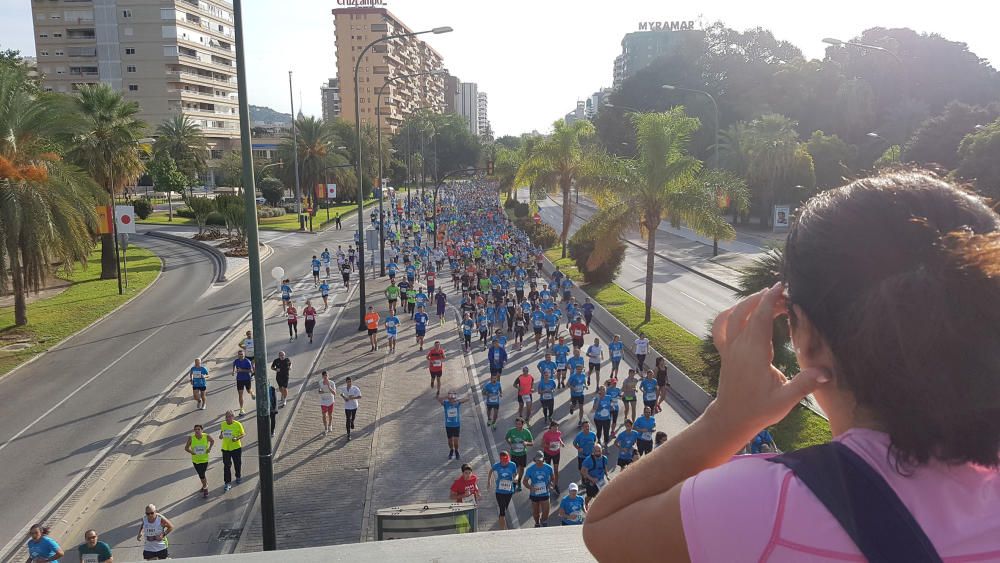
point(715, 106)
point(256, 296)
point(295, 154)
point(361, 196)
point(378, 132)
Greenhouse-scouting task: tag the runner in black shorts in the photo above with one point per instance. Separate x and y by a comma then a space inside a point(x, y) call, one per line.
point(504, 472)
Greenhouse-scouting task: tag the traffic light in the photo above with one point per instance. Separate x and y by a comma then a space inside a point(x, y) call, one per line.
point(489, 167)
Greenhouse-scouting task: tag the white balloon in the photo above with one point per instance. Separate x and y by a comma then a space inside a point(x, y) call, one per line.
point(278, 273)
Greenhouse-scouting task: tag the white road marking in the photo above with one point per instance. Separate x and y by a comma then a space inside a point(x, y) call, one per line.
point(692, 298)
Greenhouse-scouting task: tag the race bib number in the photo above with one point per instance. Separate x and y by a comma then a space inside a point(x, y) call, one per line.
point(493, 398)
point(578, 389)
point(526, 399)
point(546, 396)
point(578, 333)
point(576, 516)
point(560, 365)
point(506, 485)
point(647, 436)
point(554, 446)
point(310, 317)
point(150, 537)
point(227, 434)
point(650, 395)
point(200, 450)
point(539, 489)
point(391, 324)
point(437, 363)
point(89, 558)
point(452, 412)
point(604, 413)
point(518, 447)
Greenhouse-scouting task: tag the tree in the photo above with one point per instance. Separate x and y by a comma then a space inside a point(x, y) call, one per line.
point(831, 159)
point(272, 189)
point(184, 141)
point(505, 169)
point(936, 140)
point(317, 143)
point(771, 144)
point(555, 165)
point(46, 204)
point(167, 178)
point(201, 207)
point(979, 159)
point(889, 158)
point(232, 210)
point(107, 147)
point(662, 181)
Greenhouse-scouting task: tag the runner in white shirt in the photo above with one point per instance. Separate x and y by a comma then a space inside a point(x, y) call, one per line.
point(327, 398)
point(595, 356)
point(350, 395)
point(641, 349)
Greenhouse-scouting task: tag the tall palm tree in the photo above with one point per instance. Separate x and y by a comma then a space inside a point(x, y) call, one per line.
point(107, 146)
point(505, 166)
point(46, 205)
point(662, 181)
point(771, 144)
point(185, 142)
point(556, 162)
point(317, 143)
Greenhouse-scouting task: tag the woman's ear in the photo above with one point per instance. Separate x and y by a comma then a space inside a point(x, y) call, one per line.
point(810, 347)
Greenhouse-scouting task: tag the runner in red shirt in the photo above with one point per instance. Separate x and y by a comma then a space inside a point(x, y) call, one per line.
point(577, 330)
point(465, 486)
point(525, 384)
point(435, 362)
point(292, 314)
point(431, 278)
point(310, 314)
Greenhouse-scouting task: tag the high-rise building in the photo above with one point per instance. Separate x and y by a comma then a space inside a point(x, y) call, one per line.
point(354, 28)
point(641, 48)
point(452, 92)
point(482, 105)
point(468, 105)
point(579, 114)
point(173, 57)
point(595, 101)
point(330, 96)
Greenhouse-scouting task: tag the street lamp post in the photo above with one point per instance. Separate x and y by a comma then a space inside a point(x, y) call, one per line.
point(715, 106)
point(862, 46)
point(357, 124)
point(264, 461)
point(295, 156)
point(378, 132)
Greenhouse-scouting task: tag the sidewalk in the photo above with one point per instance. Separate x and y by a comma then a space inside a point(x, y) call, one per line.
point(327, 489)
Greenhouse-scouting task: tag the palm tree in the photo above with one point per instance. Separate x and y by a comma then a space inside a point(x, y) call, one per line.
point(771, 144)
point(662, 181)
point(505, 166)
point(556, 162)
point(184, 141)
point(46, 205)
point(317, 155)
point(108, 148)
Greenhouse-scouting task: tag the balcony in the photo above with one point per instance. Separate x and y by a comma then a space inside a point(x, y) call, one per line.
point(204, 79)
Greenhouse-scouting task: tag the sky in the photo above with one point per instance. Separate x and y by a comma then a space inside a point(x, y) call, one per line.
point(536, 58)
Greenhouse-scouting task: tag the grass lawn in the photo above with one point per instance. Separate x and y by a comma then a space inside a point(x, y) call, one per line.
point(53, 319)
point(801, 428)
point(345, 210)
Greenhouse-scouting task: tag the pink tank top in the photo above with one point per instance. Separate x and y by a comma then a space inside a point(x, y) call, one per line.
point(752, 510)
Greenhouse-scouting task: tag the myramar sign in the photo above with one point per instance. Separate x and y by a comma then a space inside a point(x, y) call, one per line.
point(666, 26)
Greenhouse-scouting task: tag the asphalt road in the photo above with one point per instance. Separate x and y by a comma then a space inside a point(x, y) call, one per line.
point(64, 408)
point(684, 297)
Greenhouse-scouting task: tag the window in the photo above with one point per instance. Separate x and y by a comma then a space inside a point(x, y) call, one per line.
point(126, 13)
point(129, 50)
point(43, 53)
point(130, 68)
point(133, 87)
point(56, 34)
point(60, 53)
point(216, 153)
point(43, 34)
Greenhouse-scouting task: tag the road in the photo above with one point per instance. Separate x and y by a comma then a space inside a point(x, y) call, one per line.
point(67, 406)
point(684, 297)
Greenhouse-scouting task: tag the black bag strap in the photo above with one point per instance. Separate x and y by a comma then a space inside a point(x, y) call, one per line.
point(862, 502)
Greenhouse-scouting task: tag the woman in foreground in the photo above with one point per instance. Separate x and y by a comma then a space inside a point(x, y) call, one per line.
point(891, 287)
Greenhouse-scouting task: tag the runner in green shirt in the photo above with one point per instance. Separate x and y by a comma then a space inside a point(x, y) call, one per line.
point(411, 300)
point(392, 294)
point(520, 439)
point(93, 551)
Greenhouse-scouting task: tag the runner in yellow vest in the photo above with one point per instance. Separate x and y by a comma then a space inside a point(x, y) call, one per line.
point(199, 445)
point(232, 449)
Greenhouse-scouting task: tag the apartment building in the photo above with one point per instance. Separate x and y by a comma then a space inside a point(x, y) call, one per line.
point(452, 92)
point(482, 107)
point(467, 102)
point(329, 94)
point(354, 28)
point(641, 48)
point(171, 56)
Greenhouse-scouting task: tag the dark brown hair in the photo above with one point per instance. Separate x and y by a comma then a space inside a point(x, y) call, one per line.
point(900, 275)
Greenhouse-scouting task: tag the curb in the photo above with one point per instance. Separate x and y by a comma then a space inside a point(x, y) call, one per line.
point(266, 252)
point(218, 258)
point(673, 261)
point(88, 327)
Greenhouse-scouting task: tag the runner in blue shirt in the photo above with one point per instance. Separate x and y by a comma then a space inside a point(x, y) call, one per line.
point(561, 351)
point(452, 421)
point(391, 268)
point(614, 394)
point(601, 410)
point(505, 471)
point(391, 327)
point(421, 297)
point(577, 387)
point(650, 390)
point(197, 374)
point(546, 391)
point(420, 322)
point(537, 324)
point(493, 392)
point(324, 292)
point(538, 480)
point(468, 325)
point(497, 357)
point(411, 273)
point(584, 443)
point(484, 328)
point(551, 327)
point(626, 444)
point(594, 470)
point(617, 350)
point(315, 269)
point(567, 286)
point(645, 425)
point(588, 312)
point(326, 258)
point(286, 296)
point(571, 507)
point(547, 365)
